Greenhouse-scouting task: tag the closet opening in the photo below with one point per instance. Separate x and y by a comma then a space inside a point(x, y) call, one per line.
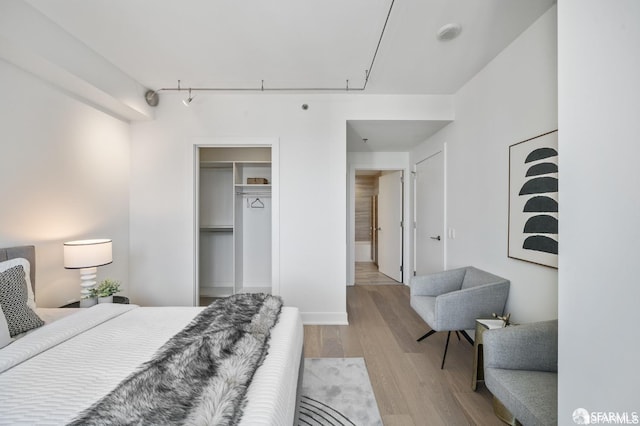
point(234, 221)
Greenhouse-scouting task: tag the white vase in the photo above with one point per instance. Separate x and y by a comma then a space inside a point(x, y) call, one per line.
point(88, 302)
point(108, 299)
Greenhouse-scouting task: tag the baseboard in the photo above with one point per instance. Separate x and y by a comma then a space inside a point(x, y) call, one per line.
point(324, 318)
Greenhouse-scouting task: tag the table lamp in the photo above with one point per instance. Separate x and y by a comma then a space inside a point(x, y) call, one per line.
point(87, 255)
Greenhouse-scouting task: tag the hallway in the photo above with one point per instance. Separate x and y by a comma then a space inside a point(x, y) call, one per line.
point(367, 274)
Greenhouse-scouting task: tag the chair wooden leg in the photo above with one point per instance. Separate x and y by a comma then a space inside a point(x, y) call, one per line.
point(425, 336)
point(446, 346)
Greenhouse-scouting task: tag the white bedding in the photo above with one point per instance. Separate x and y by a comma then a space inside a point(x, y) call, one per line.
point(50, 375)
point(49, 315)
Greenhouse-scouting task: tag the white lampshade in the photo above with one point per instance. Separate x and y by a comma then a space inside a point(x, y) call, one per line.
point(87, 253)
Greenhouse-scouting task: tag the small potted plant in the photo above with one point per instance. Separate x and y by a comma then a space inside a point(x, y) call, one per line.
point(105, 291)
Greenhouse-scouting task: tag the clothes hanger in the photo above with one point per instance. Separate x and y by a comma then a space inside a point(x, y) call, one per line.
point(257, 204)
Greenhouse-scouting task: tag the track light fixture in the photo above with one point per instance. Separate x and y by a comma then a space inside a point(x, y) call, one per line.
point(187, 101)
point(152, 98)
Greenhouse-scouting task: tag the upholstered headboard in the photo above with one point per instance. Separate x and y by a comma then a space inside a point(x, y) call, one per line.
point(26, 252)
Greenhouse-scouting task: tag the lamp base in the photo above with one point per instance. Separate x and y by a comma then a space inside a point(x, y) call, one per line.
point(87, 281)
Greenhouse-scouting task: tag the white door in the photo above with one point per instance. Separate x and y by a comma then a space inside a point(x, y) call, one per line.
point(429, 215)
point(390, 225)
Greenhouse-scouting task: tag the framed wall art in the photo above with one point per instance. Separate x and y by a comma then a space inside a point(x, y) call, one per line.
point(533, 200)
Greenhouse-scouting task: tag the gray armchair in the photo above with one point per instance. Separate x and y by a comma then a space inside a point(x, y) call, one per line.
point(521, 371)
point(453, 300)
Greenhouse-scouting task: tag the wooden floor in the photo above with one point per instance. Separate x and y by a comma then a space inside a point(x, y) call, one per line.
point(407, 381)
point(367, 274)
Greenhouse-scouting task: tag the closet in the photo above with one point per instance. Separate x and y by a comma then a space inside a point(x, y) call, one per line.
point(234, 205)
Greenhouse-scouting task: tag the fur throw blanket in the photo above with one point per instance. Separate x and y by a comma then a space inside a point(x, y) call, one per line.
point(201, 375)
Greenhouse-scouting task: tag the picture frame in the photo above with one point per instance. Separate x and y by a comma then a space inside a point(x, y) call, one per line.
point(533, 200)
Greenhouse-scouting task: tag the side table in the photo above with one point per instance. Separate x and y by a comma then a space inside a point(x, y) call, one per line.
point(116, 299)
point(478, 360)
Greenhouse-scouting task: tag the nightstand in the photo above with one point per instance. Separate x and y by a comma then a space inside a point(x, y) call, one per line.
point(478, 361)
point(116, 299)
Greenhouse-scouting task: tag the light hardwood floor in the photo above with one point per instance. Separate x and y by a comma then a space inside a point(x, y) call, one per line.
point(367, 274)
point(407, 381)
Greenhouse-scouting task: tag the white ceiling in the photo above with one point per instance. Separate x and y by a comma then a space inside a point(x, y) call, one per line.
point(389, 135)
point(297, 44)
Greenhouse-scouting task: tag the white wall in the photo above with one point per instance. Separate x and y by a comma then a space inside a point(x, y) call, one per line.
point(313, 172)
point(512, 99)
point(362, 254)
point(64, 174)
point(599, 107)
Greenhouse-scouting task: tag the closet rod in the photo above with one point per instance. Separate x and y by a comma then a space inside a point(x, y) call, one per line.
point(254, 194)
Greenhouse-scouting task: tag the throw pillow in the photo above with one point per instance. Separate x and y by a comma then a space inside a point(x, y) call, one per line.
point(27, 270)
point(13, 300)
point(5, 337)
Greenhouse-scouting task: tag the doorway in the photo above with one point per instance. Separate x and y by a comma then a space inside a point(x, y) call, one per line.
point(379, 206)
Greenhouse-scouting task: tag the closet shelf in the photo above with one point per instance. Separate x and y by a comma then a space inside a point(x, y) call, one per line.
point(253, 185)
point(216, 164)
point(216, 228)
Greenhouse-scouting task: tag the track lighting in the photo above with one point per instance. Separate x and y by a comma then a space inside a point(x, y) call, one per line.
point(152, 95)
point(187, 101)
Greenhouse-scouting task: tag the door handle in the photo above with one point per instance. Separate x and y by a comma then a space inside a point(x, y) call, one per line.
point(379, 229)
point(435, 238)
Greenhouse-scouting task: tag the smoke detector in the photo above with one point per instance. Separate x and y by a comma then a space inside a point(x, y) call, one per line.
point(449, 32)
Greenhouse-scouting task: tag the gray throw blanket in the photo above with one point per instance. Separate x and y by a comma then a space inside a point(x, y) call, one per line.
point(201, 375)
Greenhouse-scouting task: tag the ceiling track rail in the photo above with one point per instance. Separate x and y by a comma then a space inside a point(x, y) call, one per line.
point(152, 98)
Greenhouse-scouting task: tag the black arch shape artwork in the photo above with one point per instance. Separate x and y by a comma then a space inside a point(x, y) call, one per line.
point(541, 224)
point(540, 154)
point(542, 169)
point(541, 204)
point(541, 243)
point(539, 185)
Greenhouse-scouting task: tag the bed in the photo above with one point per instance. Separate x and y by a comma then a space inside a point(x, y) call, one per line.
point(80, 365)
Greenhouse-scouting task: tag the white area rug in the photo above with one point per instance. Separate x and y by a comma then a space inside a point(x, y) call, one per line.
point(337, 391)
